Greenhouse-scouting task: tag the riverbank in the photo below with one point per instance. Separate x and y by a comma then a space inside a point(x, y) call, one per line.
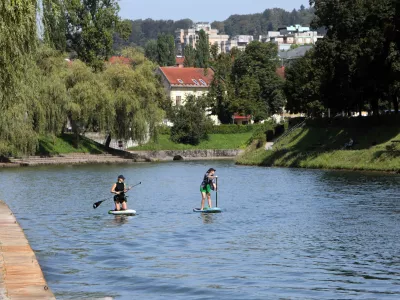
point(20, 274)
point(124, 158)
point(373, 149)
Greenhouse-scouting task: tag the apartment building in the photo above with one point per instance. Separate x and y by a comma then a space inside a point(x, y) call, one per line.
point(287, 36)
point(190, 36)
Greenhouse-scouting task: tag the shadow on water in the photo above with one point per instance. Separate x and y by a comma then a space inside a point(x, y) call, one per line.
point(207, 218)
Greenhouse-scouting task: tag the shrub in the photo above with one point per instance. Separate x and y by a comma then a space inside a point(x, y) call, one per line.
point(190, 122)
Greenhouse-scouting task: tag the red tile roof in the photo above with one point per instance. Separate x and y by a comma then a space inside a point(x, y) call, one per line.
point(119, 60)
point(187, 76)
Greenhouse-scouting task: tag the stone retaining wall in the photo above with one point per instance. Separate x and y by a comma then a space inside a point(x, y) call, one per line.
point(166, 155)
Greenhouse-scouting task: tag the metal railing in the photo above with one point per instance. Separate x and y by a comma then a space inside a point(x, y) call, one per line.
point(285, 134)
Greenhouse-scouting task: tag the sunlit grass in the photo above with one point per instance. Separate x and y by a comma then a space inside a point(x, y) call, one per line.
point(323, 148)
point(215, 141)
point(52, 145)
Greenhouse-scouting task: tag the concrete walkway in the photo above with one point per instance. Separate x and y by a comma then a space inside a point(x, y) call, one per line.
point(21, 277)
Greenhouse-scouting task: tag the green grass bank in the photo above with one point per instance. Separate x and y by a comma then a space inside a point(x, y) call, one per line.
point(65, 144)
point(215, 141)
point(376, 147)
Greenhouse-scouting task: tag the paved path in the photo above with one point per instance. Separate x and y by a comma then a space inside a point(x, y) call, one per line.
point(21, 277)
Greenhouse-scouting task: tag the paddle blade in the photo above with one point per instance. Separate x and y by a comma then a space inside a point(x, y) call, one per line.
point(97, 204)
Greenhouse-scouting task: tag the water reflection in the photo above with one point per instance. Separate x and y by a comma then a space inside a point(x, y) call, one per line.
point(207, 218)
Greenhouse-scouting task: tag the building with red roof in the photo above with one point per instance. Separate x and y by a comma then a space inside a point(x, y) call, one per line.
point(179, 83)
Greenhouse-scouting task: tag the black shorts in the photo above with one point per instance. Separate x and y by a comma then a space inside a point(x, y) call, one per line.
point(120, 198)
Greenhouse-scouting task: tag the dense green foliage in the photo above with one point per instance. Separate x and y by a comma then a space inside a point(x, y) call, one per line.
point(247, 83)
point(202, 56)
point(356, 67)
point(83, 27)
point(190, 56)
point(18, 43)
point(190, 121)
point(144, 30)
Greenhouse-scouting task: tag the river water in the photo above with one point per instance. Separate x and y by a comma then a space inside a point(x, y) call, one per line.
point(283, 233)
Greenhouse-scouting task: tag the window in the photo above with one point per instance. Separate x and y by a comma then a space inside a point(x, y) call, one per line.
point(180, 81)
point(203, 82)
point(178, 100)
point(195, 82)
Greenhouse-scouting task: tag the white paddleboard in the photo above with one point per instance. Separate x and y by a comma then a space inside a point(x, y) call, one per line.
point(122, 212)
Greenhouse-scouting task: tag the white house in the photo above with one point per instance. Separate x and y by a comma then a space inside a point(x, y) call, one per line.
point(179, 83)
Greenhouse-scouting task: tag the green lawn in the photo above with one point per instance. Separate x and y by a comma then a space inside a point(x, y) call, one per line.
point(52, 145)
point(312, 147)
point(216, 141)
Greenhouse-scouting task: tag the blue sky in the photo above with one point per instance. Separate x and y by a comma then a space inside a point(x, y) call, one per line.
point(200, 10)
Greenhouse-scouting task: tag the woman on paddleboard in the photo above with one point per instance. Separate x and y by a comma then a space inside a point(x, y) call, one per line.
point(206, 186)
point(119, 189)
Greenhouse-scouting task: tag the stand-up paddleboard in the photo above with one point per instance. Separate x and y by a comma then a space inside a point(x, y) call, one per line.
point(129, 212)
point(207, 210)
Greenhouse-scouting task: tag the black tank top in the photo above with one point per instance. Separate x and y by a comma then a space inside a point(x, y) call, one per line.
point(120, 187)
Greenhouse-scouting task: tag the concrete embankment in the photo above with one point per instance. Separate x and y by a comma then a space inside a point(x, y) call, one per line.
point(73, 159)
point(166, 155)
point(20, 274)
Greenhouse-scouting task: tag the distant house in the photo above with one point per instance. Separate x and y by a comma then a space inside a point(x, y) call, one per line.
point(241, 120)
point(179, 83)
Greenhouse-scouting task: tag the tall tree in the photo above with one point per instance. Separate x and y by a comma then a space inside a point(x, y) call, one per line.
point(202, 50)
point(18, 43)
point(54, 24)
point(90, 28)
point(151, 51)
point(258, 88)
point(190, 56)
point(166, 50)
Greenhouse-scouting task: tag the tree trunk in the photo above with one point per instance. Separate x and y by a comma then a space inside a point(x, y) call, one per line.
point(108, 141)
point(395, 101)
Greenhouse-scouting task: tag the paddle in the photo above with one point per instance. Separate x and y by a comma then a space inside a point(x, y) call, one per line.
point(216, 191)
point(97, 204)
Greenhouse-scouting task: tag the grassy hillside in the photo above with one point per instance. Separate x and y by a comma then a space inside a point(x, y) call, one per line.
point(323, 147)
point(52, 145)
point(216, 141)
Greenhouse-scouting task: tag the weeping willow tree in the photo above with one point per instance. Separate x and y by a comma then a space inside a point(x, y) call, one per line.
point(18, 42)
point(90, 106)
point(55, 25)
point(136, 93)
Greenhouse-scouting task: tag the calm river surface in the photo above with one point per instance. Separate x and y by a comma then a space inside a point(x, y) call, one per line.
point(283, 233)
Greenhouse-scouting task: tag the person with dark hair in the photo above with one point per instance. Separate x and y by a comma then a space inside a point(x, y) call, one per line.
point(206, 186)
point(119, 189)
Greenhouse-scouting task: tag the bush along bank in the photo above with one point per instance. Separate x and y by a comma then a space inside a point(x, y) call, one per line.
point(355, 145)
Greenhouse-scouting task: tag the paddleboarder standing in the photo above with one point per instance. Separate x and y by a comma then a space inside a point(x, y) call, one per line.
point(206, 186)
point(119, 189)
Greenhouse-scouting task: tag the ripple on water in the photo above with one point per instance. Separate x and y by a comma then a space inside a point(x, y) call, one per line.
point(283, 234)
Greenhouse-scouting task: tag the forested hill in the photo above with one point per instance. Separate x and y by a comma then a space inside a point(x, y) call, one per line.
point(252, 24)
